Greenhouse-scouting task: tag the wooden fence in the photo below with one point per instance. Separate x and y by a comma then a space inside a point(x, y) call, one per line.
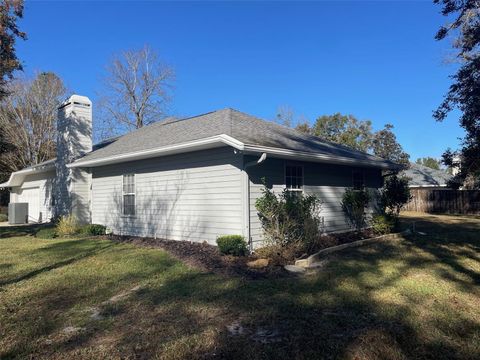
point(444, 201)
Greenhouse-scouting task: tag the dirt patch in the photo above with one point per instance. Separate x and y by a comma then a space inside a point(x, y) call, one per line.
point(207, 257)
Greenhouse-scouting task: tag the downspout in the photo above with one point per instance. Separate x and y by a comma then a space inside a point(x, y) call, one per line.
point(262, 158)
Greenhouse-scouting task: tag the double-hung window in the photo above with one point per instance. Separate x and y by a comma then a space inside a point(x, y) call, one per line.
point(294, 177)
point(129, 194)
point(358, 179)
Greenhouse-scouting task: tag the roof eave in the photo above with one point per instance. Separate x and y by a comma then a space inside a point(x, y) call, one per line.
point(222, 140)
point(196, 145)
point(17, 177)
point(317, 157)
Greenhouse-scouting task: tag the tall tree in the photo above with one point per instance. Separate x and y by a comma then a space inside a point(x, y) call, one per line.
point(464, 93)
point(28, 120)
point(386, 146)
point(136, 90)
point(344, 129)
point(429, 162)
point(349, 131)
point(10, 12)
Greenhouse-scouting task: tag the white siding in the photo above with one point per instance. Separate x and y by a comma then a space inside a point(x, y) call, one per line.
point(43, 182)
point(193, 196)
point(326, 181)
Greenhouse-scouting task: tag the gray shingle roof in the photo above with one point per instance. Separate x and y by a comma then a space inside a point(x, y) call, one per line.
point(243, 127)
point(420, 175)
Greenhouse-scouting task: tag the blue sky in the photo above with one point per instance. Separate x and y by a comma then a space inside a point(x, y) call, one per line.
point(376, 60)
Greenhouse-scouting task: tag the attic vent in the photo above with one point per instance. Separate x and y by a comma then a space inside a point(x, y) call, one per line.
point(82, 104)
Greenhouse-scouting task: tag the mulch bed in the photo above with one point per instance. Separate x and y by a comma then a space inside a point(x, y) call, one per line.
point(347, 237)
point(208, 258)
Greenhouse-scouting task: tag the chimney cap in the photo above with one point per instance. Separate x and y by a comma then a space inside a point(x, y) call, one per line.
point(76, 100)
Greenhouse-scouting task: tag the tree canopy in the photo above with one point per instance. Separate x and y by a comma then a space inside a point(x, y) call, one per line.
point(464, 92)
point(344, 129)
point(386, 146)
point(357, 134)
point(429, 162)
point(10, 12)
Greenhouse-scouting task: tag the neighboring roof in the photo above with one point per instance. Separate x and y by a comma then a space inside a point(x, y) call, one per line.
point(423, 176)
point(217, 128)
point(16, 178)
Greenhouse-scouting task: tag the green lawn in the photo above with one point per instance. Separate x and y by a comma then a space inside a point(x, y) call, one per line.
point(415, 298)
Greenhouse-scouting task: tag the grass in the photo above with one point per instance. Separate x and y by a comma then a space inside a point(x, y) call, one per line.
point(415, 298)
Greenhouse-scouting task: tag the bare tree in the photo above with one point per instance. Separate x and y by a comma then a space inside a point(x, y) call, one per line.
point(285, 115)
point(136, 90)
point(28, 121)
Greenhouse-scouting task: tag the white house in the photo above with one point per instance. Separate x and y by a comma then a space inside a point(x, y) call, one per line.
point(187, 179)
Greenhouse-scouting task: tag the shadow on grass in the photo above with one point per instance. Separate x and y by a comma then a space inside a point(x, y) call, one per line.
point(452, 242)
point(22, 230)
point(65, 248)
point(367, 303)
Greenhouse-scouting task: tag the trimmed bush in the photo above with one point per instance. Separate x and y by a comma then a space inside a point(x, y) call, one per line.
point(289, 218)
point(46, 233)
point(354, 204)
point(3, 217)
point(232, 245)
point(93, 229)
point(67, 226)
point(383, 224)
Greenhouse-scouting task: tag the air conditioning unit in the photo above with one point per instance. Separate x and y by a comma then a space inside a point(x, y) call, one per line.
point(18, 213)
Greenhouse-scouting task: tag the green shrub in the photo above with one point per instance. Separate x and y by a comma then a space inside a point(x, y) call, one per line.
point(395, 194)
point(67, 226)
point(46, 233)
point(289, 218)
point(354, 203)
point(93, 229)
point(3, 217)
point(383, 223)
point(232, 245)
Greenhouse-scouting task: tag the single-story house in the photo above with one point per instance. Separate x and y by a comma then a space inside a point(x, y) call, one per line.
point(188, 179)
point(423, 177)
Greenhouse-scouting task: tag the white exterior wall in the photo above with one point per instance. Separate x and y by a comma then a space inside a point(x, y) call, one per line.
point(328, 182)
point(193, 196)
point(44, 182)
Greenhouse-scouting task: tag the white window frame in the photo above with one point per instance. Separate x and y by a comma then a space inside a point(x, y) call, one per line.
point(362, 172)
point(285, 176)
point(134, 195)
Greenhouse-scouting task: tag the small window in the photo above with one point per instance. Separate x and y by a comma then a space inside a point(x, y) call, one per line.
point(358, 180)
point(129, 194)
point(294, 177)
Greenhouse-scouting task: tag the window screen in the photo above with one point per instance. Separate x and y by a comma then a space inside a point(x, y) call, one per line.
point(129, 194)
point(294, 177)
